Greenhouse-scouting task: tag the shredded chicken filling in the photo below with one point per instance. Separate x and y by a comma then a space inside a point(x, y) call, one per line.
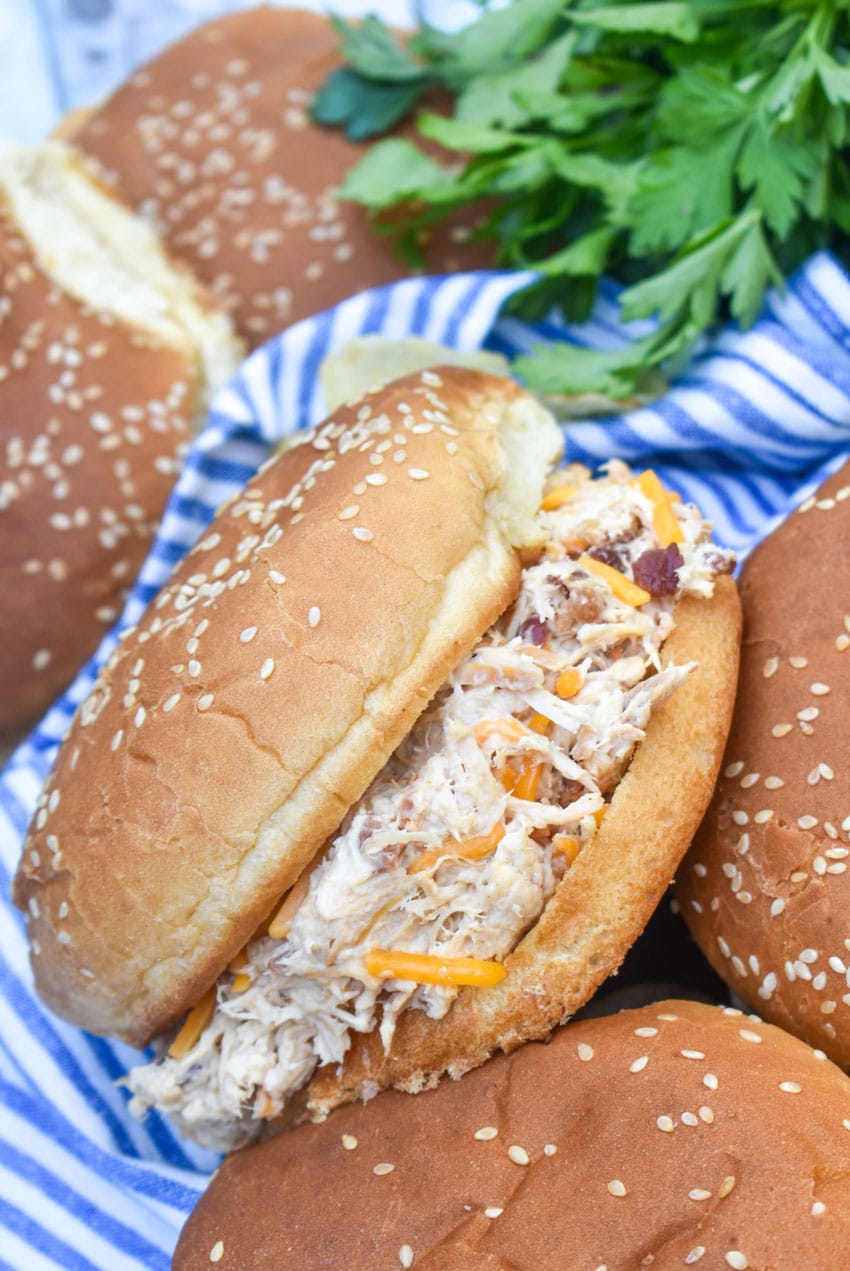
point(465, 834)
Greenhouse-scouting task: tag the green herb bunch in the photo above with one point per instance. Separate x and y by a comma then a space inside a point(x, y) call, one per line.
point(694, 150)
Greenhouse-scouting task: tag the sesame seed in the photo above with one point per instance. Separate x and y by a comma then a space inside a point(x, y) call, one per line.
point(710, 1080)
point(639, 1064)
point(349, 1142)
point(405, 1256)
point(749, 1036)
point(518, 1154)
point(277, 577)
point(194, 668)
point(706, 1114)
point(695, 1254)
point(418, 474)
point(819, 689)
point(117, 739)
point(665, 1123)
point(818, 1208)
point(616, 1188)
point(688, 1118)
point(773, 783)
point(790, 1087)
point(736, 1260)
point(485, 1133)
point(217, 1251)
point(171, 702)
point(798, 663)
point(584, 1051)
point(733, 769)
point(699, 1193)
point(549, 1149)
point(842, 642)
point(247, 634)
point(348, 513)
point(781, 730)
point(807, 822)
point(384, 1167)
point(364, 535)
point(267, 668)
point(205, 701)
point(749, 780)
point(739, 817)
point(770, 667)
point(493, 1211)
point(692, 1054)
point(726, 1186)
point(763, 816)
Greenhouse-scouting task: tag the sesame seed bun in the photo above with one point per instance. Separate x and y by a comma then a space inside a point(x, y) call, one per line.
point(212, 142)
point(677, 1135)
point(107, 356)
point(268, 683)
point(766, 888)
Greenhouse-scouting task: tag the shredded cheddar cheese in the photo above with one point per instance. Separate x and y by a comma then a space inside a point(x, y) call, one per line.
point(529, 780)
point(241, 983)
point(664, 519)
point(568, 683)
point(470, 849)
point(193, 1025)
point(558, 497)
point(510, 729)
point(623, 588)
point(428, 968)
point(567, 846)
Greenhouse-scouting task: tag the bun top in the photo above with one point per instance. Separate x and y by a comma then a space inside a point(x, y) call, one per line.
point(679, 1134)
point(211, 140)
point(108, 353)
point(266, 686)
point(766, 887)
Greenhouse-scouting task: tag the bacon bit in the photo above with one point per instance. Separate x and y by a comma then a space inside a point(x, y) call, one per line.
point(621, 586)
point(558, 497)
point(658, 570)
point(608, 555)
point(470, 849)
point(427, 968)
point(664, 519)
point(510, 729)
point(568, 683)
point(193, 1025)
point(535, 631)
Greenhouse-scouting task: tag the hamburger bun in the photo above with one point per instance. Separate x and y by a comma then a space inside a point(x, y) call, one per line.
point(108, 354)
point(293, 649)
point(677, 1135)
point(765, 888)
point(211, 141)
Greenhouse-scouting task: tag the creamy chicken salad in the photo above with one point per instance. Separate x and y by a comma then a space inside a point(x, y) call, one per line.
point(455, 849)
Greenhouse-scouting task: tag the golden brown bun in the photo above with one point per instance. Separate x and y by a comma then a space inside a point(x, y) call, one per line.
point(268, 683)
point(107, 354)
point(676, 1135)
point(211, 141)
point(766, 888)
point(608, 895)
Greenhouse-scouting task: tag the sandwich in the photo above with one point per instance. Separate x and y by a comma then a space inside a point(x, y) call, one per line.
point(394, 770)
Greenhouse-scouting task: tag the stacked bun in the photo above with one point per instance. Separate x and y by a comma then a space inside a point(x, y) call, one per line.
point(678, 1135)
point(212, 142)
point(108, 354)
point(765, 887)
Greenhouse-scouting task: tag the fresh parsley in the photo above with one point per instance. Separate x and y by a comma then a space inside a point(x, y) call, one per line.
point(695, 150)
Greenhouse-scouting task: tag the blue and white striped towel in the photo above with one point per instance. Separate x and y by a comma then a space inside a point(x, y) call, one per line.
point(755, 423)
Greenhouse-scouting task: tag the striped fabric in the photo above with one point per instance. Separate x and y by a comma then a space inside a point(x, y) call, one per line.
point(756, 421)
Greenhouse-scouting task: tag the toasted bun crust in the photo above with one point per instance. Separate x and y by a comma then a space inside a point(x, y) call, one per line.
point(766, 888)
point(107, 353)
point(678, 1134)
point(608, 895)
point(267, 685)
point(212, 142)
